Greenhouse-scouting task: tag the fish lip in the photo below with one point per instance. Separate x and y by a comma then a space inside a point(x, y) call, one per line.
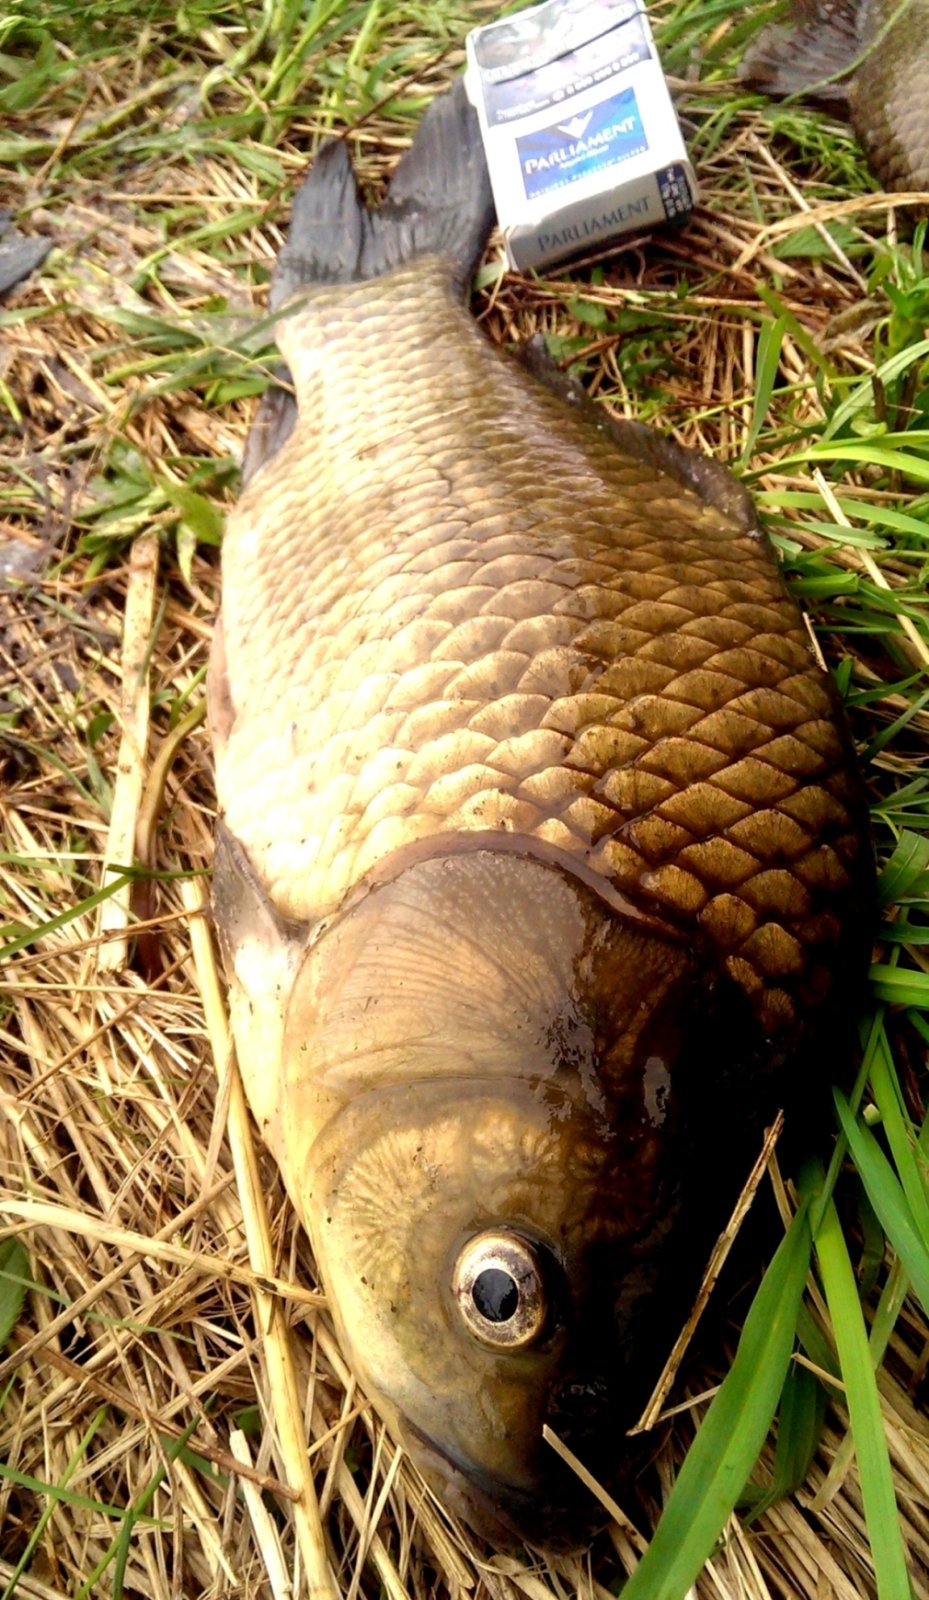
point(503, 1513)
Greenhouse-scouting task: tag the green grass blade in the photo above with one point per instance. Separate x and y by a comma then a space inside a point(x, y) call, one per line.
point(770, 339)
point(862, 396)
point(864, 1408)
point(24, 940)
point(36, 1535)
point(877, 744)
point(119, 1549)
point(799, 1427)
point(896, 453)
point(898, 986)
point(83, 1502)
point(732, 1433)
point(907, 871)
point(815, 1345)
point(884, 1321)
point(819, 1193)
point(888, 1199)
point(901, 1137)
point(14, 1268)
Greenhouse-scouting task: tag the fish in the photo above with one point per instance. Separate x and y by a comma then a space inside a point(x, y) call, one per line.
point(19, 255)
point(542, 872)
point(864, 60)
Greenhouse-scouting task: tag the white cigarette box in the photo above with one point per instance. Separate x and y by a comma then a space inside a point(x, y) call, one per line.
point(581, 137)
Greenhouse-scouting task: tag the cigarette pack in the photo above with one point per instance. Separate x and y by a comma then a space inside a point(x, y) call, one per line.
point(581, 137)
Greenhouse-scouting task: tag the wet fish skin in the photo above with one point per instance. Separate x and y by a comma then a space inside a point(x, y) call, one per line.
point(456, 651)
point(19, 256)
point(881, 47)
point(543, 856)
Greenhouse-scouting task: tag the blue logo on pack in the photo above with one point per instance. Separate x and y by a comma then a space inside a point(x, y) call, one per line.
point(589, 141)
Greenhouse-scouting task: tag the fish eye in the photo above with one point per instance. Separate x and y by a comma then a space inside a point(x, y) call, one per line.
point(498, 1288)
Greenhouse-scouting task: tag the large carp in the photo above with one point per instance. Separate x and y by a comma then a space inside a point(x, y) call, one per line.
point(865, 60)
point(542, 868)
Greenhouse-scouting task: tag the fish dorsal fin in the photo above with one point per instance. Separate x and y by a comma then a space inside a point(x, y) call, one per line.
point(707, 478)
point(823, 42)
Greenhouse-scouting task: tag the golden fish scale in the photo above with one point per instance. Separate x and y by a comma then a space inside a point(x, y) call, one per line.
point(889, 94)
point(452, 606)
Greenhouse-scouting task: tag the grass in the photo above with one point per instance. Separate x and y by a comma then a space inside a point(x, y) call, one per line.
point(784, 332)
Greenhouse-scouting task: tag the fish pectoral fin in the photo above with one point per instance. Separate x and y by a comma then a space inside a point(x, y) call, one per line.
point(801, 59)
point(245, 915)
point(262, 954)
point(710, 480)
point(534, 355)
point(272, 424)
point(19, 255)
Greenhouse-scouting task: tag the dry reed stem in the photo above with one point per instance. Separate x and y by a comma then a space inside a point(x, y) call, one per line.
point(918, 648)
point(609, 1505)
point(282, 1382)
point(718, 1257)
point(828, 211)
point(54, 1216)
point(265, 1531)
point(804, 207)
point(130, 766)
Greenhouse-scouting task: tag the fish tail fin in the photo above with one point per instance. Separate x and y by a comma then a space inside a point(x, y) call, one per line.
point(438, 203)
point(802, 60)
point(326, 226)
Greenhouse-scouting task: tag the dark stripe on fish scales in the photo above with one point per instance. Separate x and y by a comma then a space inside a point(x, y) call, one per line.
point(542, 846)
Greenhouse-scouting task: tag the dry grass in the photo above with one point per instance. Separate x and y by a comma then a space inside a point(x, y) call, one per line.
point(172, 1352)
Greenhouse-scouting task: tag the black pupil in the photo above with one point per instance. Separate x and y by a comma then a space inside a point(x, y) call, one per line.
point(495, 1295)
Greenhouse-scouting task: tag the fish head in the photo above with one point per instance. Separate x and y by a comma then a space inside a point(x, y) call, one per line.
point(485, 1275)
point(491, 1201)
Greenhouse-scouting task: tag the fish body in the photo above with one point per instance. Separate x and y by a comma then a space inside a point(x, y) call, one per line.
point(865, 60)
point(19, 256)
point(541, 847)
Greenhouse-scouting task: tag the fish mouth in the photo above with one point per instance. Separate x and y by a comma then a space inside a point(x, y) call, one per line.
point(555, 1512)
